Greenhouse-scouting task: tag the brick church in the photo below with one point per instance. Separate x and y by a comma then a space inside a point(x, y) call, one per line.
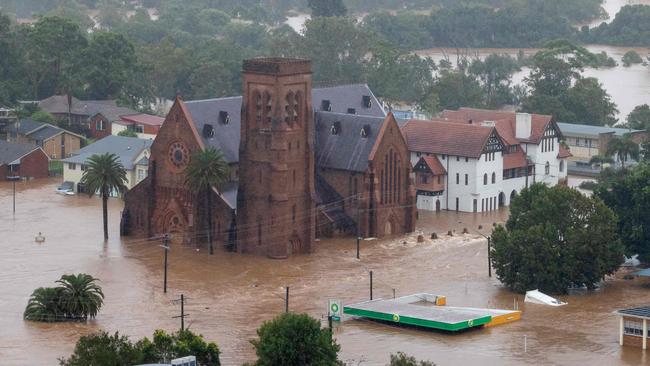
point(304, 163)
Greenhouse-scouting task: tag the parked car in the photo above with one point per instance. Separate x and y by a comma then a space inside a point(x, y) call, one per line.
point(66, 188)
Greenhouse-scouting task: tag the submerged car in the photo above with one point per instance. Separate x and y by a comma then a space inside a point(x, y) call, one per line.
point(66, 188)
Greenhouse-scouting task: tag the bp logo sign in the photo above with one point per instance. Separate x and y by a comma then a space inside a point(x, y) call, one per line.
point(470, 323)
point(396, 318)
point(334, 309)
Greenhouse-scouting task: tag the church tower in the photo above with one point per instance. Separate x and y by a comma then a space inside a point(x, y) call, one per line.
point(276, 198)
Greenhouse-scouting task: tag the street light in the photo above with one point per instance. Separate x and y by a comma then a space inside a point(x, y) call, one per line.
point(489, 240)
point(14, 179)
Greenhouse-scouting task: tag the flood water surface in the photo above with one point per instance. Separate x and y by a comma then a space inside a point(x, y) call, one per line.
point(230, 295)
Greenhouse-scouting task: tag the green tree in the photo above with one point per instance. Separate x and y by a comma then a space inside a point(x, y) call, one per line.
point(639, 118)
point(401, 359)
point(75, 12)
point(103, 349)
point(111, 64)
point(165, 347)
point(556, 238)
point(44, 305)
point(588, 101)
point(601, 159)
point(12, 73)
point(495, 74)
point(456, 88)
point(623, 148)
point(53, 49)
point(80, 296)
point(631, 57)
point(628, 195)
point(207, 169)
point(104, 175)
point(295, 340)
point(127, 133)
point(327, 8)
point(42, 116)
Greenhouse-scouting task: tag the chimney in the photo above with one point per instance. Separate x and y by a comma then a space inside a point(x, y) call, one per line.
point(524, 123)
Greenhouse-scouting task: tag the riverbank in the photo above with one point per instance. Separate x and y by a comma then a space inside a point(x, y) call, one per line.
point(230, 295)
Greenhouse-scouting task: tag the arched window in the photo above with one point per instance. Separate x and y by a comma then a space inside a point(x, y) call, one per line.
point(547, 168)
point(485, 179)
point(561, 165)
point(494, 177)
point(268, 106)
point(288, 108)
point(297, 107)
point(258, 108)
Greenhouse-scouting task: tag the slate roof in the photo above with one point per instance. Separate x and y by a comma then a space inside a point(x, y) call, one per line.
point(589, 130)
point(126, 148)
point(229, 193)
point(448, 138)
point(24, 126)
point(227, 136)
point(59, 104)
point(113, 113)
point(12, 151)
point(505, 122)
point(45, 133)
point(346, 149)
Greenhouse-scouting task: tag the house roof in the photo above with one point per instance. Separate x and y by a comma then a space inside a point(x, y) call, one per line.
point(592, 131)
point(126, 148)
point(432, 164)
point(58, 104)
point(448, 138)
point(227, 136)
point(143, 118)
point(515, 160)
point(564, 152)
point(37, 130)
point(113, 113)
point(345, 148)
point(12, 151)
point(640, 312)
point(504, 121)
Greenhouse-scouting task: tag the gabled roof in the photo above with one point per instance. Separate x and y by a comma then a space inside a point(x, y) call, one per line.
point(564, 152)
point(447, 138)
point(515, 160)
point(432, 164)
point(37, 130)
point(12, 151)
point(143, 118)
point(126, 148)
point(113, 113)
point(47, 132)
point(227, 136)
point(342, 146)
point(58, 104)
point(505, 122)
point(24, 126)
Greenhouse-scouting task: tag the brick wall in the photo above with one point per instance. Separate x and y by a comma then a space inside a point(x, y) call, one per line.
point(634, 341)
point(33, 165)
point(99, 133)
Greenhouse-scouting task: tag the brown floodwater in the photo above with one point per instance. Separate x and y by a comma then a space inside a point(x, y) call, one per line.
point(230, 295)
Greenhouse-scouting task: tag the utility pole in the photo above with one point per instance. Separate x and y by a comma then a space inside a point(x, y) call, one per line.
point(489, 239)
point(183, 315)
point(358, 227)
point(370, 285)
point(13, 178)
point(286, 300)
point(165, 246)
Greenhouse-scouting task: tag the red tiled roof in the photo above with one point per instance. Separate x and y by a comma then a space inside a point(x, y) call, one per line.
point(434, 165)
point(514, 160)
point(445, 137)
point(145, 119)
point(505, 122)
point(564, 152)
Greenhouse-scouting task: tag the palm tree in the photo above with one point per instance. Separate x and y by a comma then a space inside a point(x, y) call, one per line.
point(104, 174)
point(207, 169)
point(43, 305)
point(600, 160)
point(81, 296)
point(624, 148)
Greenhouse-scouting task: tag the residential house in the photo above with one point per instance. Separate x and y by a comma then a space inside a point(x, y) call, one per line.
point(304, 162)
point(587, 141)
point(7, 117)
point(146, 126)
point(133, 153)
point(24, 160)
point(77, 112)
point(101, 123)
point(55, 141)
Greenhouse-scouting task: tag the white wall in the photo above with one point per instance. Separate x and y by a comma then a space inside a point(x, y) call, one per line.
point(540, 158)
